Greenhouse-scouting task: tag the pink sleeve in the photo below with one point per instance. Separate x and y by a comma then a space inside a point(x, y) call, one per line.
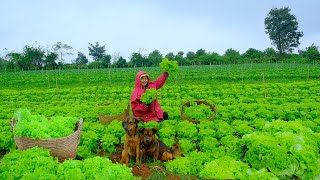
point(161, 80)
point(137, 105)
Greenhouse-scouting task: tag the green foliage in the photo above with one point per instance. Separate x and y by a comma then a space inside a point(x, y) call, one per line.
point(222, 129)
point(187, 130)
point(284, 153)
point(261, 174)
point(285, 121)
point(96, 51)
point(91, 136)
point(224, 168)
point(112, 136)
point(108, 141)
point(112, 109)
point(187, 146)
point(242, 127)
point(312, 53)
point(208, 144)
point(169, 66)
point(101, 168)
point(39, 127)
point(149, 96)
point(180, 165)
point(282, 26)
point(155, 58)
point(81, 59)
point(150, 124)
point(6, 138)
point(34, 163)
point(197, 112)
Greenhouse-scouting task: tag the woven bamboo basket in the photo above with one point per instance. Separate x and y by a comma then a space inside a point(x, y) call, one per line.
point(187, 104)
point(107, 119)
point(63, 148)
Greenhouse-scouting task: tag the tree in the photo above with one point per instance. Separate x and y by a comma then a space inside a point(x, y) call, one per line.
point(191, 55)
point(200, 52)
point(252, 53)
point(281, 26)
point(170, 56)
point(105, 60)
point(120, 63)
point(3, 63)
point(81, 59)
point(96, 51)
point(155, 57)
point(312, 53)
point(62, 50)
point(179, 58)
point(270, 52)
point(138, 60)
point(231, 55)
point(33, 56)
point(15, 59)
point(50, 60)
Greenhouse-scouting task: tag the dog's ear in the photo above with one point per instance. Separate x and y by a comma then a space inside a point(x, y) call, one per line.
point(139, 119)
point(154, 130)
point(124, 120)
point(141, 130)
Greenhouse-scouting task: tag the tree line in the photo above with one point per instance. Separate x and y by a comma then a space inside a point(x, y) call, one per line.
point(280, 25)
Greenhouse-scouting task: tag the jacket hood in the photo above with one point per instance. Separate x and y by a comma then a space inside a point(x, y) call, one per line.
point(138, 83)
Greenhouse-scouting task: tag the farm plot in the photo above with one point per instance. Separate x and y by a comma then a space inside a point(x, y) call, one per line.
point(262, 128)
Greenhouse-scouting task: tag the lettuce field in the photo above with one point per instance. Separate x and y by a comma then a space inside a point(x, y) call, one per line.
point(267, 124)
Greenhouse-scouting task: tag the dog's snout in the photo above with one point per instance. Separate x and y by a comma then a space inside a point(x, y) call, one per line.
point(125, 126)
point(148, 138)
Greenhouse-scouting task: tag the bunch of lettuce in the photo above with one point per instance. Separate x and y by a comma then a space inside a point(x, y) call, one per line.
point(36, 163)
point(149, 96)
point(39, 127)
point(112, 136)
point(169, 66)
point(224, 168)
point(197, 112)
point(284, 153)
point(190, 165)
point(93, 168)
point(33, 163)
point(112, 109)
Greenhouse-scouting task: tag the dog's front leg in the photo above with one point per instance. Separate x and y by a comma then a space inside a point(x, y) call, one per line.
point(138, 153)
point(144, 155)
point(125, 155)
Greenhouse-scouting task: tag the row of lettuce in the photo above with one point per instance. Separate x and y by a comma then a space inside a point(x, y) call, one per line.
point(287, 99)
point(246, 73)
point(212, 150)
point(261, 131)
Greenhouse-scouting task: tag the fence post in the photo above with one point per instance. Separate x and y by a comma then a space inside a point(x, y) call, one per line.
point(264, 84)
point(308, 72)
point(57, 88)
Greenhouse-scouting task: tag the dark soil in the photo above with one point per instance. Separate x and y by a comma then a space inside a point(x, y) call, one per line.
point(148, 170)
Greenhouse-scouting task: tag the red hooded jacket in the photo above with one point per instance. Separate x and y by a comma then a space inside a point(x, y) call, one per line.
point(139, 109)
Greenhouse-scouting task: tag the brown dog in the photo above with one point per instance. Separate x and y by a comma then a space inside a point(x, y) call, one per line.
point(132, 140)
point(153, 147)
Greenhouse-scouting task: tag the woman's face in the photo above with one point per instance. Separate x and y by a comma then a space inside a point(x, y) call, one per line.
point(144, 80)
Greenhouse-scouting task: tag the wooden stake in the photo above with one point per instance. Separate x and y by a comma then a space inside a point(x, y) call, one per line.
point(57, 88)
point(308, 72)
point(264, 84)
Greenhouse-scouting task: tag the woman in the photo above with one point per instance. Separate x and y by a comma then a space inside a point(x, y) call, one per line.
point(153, 110)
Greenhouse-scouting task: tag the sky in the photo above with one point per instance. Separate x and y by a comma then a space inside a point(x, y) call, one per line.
point(128, 26)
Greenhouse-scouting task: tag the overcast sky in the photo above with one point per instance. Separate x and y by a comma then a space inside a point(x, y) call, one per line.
point(127, 26)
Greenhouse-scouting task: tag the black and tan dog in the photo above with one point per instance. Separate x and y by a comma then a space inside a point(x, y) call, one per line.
point(155, 148)
point(132, 140)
